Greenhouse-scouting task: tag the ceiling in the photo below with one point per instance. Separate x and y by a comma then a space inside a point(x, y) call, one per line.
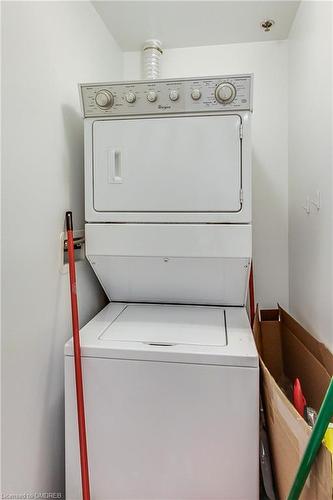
point(194, 23)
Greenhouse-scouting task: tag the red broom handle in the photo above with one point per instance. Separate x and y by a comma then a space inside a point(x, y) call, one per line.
point(251, 290)
point(77, 361)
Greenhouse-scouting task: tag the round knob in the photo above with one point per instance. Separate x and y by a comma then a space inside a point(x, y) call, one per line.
point(174, 95)
point(130, 97)
point(151, 96)
point(196, 94)
point(225, 93)
point(104, 99)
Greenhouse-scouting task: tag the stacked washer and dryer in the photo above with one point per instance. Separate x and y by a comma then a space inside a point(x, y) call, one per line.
point(170, 368)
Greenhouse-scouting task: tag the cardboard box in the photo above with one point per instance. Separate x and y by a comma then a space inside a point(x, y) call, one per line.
point(288, 351)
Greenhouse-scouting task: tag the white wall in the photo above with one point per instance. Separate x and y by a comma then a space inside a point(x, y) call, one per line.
point(268, 62)
point(48, 47)
point(310, 168)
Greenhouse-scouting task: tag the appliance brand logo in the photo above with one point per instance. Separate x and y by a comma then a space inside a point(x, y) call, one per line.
point(163, 107)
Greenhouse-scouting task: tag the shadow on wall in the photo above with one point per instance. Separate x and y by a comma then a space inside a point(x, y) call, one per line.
point(74, 163)
point(52, 430)
point(73, 171)
point(269, 235)
point(266, 194)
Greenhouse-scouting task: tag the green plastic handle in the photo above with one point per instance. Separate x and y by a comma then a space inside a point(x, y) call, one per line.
point(317, 435)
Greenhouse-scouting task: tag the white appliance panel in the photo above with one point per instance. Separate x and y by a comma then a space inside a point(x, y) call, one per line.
point(173, 280)
point(205, 88)
point(169, 164)
point(161, 431)
point(173, 240)
point(174, 263)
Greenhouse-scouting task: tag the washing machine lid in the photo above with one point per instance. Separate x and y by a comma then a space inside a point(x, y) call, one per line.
point(166, 325)
point(170, 333)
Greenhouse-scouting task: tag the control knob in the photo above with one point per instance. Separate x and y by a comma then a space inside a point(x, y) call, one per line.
point(130, 97)
point(225, 93)
point(104, 99)
point(152, 96)
point(174, 95)
point(195, 94)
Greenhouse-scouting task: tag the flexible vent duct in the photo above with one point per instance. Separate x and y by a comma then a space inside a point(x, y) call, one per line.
point(152, 51)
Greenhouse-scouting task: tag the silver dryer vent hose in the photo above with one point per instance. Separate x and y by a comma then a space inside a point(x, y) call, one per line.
point(152, 51)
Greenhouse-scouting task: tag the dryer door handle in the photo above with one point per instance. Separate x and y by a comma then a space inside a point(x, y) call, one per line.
point(114, 166)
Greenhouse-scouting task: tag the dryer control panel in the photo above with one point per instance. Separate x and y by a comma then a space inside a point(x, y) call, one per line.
point(163, 97)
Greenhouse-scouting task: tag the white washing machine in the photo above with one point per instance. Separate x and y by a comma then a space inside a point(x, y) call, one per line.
point(170, 368)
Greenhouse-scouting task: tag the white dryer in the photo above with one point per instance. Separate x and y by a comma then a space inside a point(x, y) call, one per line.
point(170, 367)
point(154, 159)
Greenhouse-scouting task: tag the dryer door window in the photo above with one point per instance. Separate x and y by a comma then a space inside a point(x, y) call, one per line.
point(176, 164)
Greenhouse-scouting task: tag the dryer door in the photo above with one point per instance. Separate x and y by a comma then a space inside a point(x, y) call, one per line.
point(174, 164)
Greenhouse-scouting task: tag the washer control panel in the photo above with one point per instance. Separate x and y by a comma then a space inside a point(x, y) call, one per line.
point(185, 95)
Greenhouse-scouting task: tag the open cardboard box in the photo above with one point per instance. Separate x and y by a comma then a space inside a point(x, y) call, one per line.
point(288, 351)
